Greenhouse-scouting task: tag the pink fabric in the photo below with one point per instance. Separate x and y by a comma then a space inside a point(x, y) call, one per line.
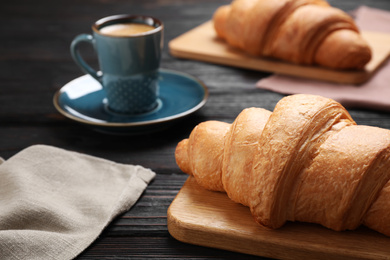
point(374, 94)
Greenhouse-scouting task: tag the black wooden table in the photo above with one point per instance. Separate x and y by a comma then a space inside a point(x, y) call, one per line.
point(35, 62)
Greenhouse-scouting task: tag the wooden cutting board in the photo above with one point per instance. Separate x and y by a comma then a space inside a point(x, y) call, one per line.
point(202, 44)
point(211, 219)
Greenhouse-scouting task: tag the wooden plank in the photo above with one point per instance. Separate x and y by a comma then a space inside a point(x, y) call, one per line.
point(211, 219)
point(202, 44)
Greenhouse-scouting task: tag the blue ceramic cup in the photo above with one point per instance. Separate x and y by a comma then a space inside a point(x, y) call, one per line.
point(128, 61)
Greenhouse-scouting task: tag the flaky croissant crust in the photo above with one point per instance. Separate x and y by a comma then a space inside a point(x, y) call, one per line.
point(308, 32)
point(306, 161)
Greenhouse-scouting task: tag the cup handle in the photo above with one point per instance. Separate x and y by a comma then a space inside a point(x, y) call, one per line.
point(74, 50)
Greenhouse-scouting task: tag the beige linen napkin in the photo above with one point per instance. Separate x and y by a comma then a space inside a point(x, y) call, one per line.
point(54, 203)
point(374, 94)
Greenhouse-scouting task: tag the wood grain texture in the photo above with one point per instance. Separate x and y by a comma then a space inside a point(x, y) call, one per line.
point(201, 43)
point(211, 219)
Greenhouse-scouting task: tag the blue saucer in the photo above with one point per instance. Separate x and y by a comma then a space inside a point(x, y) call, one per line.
point(83, 100)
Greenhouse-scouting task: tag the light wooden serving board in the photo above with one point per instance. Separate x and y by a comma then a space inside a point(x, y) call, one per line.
point(202, 44)
point(211, 219)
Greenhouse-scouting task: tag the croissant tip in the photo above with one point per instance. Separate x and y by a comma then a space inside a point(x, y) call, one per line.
point(181, 156)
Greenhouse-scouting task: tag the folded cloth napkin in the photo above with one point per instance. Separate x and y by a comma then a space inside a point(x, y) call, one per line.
point(54, 203)
point(374, 94)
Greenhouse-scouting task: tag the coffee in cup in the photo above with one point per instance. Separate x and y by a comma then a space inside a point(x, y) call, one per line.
point(129, 53)
point(126, 29)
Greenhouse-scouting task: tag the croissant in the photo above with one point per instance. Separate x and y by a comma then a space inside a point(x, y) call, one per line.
point(306, 161)
point(305, 32)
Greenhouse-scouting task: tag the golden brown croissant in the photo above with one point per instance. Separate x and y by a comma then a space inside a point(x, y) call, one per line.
point(308, 32)
point(306, 161)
